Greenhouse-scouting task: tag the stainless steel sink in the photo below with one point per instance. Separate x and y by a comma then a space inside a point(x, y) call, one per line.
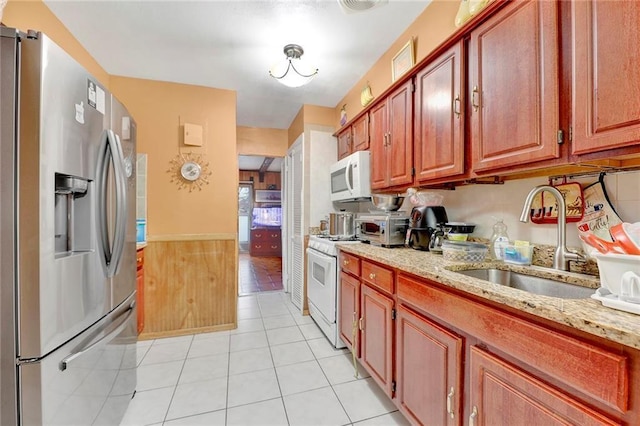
point(536, 285)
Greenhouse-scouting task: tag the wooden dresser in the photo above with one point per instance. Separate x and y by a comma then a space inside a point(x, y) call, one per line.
point(266, 242)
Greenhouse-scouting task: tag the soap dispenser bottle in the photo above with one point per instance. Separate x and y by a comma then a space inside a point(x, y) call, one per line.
point(499, 240)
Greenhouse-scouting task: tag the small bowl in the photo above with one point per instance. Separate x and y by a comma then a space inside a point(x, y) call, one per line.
point(387, 202)
point(457, 237)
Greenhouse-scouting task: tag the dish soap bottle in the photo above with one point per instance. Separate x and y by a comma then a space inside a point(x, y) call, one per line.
point(499, 240)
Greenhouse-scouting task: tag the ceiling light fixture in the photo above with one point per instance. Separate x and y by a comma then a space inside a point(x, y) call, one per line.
point(356, 6)
point(293, 72)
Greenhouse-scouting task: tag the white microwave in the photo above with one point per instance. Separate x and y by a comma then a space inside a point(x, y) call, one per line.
point(350, 177)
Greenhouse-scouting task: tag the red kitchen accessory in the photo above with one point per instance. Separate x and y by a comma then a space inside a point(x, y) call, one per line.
point(626, 239)
point(603, 246)
point(545, 210)
point(626, 235)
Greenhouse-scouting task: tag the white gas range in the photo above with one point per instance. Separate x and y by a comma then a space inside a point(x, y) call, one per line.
point(323, 276)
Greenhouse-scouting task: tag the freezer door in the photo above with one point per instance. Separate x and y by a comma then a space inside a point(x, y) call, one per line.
point(8, 62)
point(123, 127)
point(90, 380)
point(62, 285)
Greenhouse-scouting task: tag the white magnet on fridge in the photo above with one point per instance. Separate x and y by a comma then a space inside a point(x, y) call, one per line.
point(126, 128)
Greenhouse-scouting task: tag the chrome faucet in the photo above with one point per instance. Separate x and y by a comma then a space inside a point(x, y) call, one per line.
point(562, 255)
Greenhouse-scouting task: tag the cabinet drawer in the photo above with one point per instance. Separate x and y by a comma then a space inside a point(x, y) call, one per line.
point(259, 235)
point(377, 276)
point(273, 236)
point(350, 264)
point(140, 259)
point(563, 357)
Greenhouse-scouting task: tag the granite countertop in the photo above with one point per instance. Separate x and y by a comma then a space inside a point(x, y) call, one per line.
point(587, 315)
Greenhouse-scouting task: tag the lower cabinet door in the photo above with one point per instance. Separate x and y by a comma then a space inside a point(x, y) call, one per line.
point(428, 370)
point(376, 334)
point(348, 312)
point(501, 394)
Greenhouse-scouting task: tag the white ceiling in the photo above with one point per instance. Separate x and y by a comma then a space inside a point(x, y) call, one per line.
point(254, 162)
point(230, 44)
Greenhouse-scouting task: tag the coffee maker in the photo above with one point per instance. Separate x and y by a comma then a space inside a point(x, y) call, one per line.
point(423, 222)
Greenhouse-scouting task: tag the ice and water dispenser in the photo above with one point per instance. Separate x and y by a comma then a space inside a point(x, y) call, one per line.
point(72, 215)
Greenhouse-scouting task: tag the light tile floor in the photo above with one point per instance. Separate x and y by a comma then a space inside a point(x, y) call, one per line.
point(276, 368)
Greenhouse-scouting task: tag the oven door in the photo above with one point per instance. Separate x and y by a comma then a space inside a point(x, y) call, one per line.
point(322, 283)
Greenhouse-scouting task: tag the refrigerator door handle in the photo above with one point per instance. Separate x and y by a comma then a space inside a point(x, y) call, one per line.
point(121, 203)
point(111, 152)
point(101, 183)
point(121, 321)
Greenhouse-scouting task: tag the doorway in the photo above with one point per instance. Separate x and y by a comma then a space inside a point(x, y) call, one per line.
point(245, 205)
point(259, 225)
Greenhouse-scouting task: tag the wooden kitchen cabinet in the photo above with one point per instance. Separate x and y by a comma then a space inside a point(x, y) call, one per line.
point(376, 334)
point(349, 311)
point(344, 143)
point(606, 75)
point(439, 118)
point(354, 137)
point(140, 288)
point(391, 139)
point(429, 370)
point(447, 358)
point(514, 87)
point(373, 312)
point(265, 242)
point(503, 394)
point(360, 133)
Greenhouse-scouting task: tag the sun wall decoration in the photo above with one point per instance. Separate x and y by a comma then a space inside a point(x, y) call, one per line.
point(189, 171)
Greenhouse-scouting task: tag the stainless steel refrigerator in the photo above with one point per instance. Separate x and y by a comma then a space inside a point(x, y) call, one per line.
point(67, 240)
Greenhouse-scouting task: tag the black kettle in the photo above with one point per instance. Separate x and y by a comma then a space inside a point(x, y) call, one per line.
point(435, 242)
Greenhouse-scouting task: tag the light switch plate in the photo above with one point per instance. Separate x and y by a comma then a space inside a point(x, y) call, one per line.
point(192, 134)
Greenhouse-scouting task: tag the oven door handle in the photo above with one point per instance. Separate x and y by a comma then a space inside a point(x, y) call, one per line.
point(321, 255)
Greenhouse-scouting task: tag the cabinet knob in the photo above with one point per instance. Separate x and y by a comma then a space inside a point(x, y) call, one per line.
point(274, 247)
point(456, 106)
point(473, 415)
point(474, 102)
point(345, 262)
point(372, 276)
point(450, 402)
point(139, 260)
point(258, 235)
point(258, 246)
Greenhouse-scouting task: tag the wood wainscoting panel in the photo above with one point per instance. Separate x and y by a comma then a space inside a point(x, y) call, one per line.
point(190, 286)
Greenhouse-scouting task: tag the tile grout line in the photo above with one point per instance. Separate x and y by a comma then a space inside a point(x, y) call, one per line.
point(175, 388)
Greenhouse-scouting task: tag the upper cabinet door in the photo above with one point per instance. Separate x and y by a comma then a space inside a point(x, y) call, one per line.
point(361, 133)
point(514, 86)
point(439, 119)
point(344, 143)
point(606, 75)
point(400, 139)
point(378, 144)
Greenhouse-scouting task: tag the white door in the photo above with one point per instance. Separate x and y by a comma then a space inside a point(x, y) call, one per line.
point(294, 217)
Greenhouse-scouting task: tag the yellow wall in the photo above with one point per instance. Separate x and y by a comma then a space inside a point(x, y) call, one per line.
point(429, 30)
point(261, 141)
point(35, 15)
point(310, 115)
point(160, 110)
